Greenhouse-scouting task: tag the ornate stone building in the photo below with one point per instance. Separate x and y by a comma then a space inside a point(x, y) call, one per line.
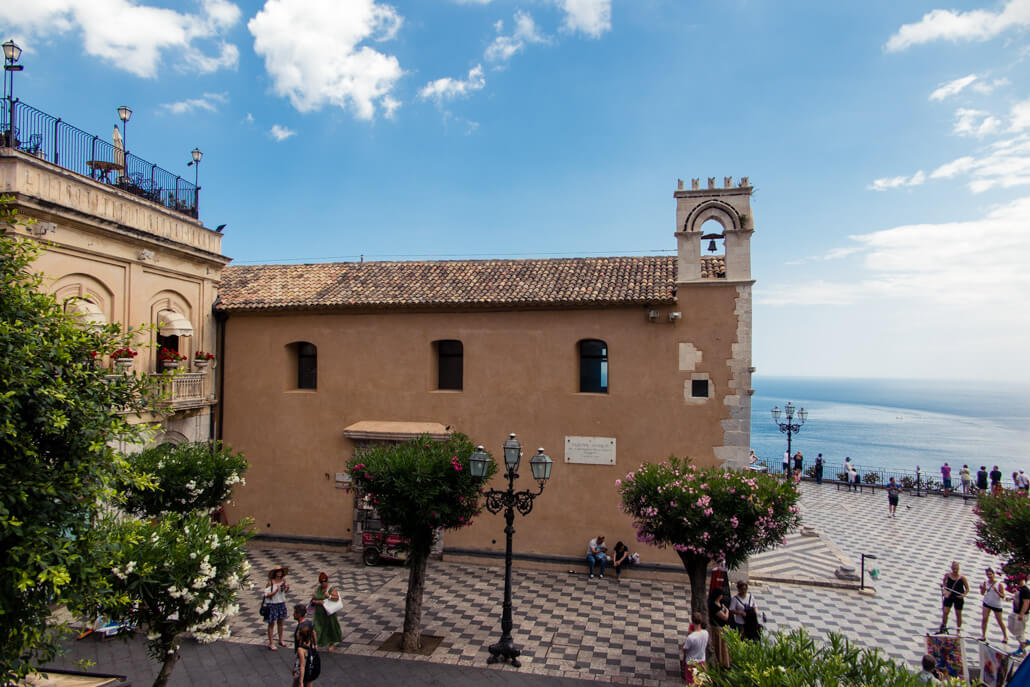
point(119, 248)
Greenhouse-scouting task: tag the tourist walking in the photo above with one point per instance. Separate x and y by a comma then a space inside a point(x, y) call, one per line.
point(819, 469)
point(946, 478)
point(966, 479)
point(1017, 621)
point(307, 665)
point(893, 490)
point(799, 461)
point(742, 605)
point(275, 604)
point(596, 555)
point(954, 588)
point(994, 593)
point(786, 463)
point(995, 480)
point(300, 612)
point(327, 627)
point(694, 649)
point(981, 479)
point(718, 616)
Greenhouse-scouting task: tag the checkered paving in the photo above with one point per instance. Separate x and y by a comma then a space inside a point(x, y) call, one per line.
point(572, 626)
point(801, 559)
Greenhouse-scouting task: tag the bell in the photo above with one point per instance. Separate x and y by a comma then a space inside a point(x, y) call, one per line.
point(711, 246)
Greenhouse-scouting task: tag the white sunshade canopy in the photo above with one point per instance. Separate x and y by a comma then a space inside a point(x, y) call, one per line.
point(86, 312)
point(171, 323)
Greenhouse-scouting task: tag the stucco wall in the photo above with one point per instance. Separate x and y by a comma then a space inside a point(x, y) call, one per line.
point(520, 375)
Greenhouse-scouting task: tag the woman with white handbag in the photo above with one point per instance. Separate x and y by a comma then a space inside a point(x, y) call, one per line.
point(326, 601)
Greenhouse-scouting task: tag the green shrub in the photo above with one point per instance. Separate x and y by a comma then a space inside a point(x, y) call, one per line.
point(196, 476)
point(795, 659)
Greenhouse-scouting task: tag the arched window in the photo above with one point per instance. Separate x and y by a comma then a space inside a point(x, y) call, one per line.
point(593, 366)
point(449, 364)
point(307, 365)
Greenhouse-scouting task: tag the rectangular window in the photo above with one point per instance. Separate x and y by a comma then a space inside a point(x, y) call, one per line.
point(450, 359)
point(699, 388)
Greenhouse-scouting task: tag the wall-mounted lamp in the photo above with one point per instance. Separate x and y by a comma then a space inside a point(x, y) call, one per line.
point(653, 315)
point(673, 316)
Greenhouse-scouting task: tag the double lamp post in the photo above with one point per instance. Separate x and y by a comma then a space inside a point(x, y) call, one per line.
point(790, 427)
point(509, 501)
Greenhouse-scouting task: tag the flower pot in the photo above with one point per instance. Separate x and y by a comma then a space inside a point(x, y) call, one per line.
point(123, 364)
point(201, 365)
point(171, 364)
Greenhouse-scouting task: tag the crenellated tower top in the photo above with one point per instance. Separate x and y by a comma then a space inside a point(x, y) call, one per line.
point(730, 207)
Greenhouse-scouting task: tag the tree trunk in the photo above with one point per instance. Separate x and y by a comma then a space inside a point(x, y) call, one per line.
point(697, 571)
point(166, 668)
point(412, 639)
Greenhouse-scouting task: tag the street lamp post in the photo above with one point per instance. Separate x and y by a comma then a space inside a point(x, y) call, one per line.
point(195, 163)
point(509, 501)
point(12, 53)
point(124, 113)
point(790, 427)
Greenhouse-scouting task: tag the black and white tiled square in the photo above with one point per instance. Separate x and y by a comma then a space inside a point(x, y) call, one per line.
point(629, 633)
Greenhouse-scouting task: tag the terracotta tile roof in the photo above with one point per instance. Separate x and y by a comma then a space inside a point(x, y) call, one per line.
point(574, 282)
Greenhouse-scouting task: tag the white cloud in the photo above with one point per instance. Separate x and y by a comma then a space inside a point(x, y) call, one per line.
point(951, 88)
point(313, 51)
point(449, 89)
point(131, 36)
point(953, 168)
point(975, 123)
point(209, 102)
point(592, 17)
point(503, 48)
point(887, 183)
point(280, 133)
point(984, 87)
point(249, 119)
point(978, 264)
point(975, 25)
point(1020, 116)
point(390, 105)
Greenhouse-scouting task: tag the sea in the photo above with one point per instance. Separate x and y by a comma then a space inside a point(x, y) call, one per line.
point(896, 424)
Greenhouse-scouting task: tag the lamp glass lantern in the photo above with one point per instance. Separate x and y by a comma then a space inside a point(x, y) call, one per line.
point(512, 453)
point(12, 53)
point(803, 414)
point(541, 466)
point(479, 462)
point(124, 113)
point(196, 154)
point(776, 412)
point(789, 409)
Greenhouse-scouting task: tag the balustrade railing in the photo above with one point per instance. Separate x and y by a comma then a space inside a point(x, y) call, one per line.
point(54, 140)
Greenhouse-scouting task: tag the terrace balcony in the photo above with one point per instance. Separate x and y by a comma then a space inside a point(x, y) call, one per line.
point(36, 133)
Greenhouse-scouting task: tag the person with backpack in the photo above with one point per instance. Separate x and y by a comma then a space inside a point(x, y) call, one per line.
point(308, 665)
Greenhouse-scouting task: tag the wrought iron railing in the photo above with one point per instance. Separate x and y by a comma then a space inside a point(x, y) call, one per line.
point(54, 140)
point(871, 475)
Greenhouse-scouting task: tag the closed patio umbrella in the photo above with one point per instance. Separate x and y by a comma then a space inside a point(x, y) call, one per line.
point(119, 149)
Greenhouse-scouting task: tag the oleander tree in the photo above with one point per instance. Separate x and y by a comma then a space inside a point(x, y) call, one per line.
point(174, 575)
point(708, 515)
point(1003, 529)
point(418, 488)
point(61, 416)
point(191, 476)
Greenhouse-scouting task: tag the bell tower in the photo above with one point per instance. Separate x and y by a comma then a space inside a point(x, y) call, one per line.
point(730, 207)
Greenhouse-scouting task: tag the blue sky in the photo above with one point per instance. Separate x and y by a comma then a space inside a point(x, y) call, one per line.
point(889, 144)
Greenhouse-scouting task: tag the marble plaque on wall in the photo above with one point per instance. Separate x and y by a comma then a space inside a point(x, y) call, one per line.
point(590, 450)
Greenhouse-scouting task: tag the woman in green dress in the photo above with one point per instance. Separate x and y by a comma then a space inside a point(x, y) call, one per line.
point(327, 627)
